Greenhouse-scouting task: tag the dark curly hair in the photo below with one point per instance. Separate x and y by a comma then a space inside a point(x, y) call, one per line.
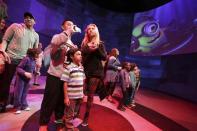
point(71, 53)
point(32, 52)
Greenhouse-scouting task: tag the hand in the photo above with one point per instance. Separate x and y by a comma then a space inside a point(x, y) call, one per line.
point(84, 98)
point(75, 46)
point(38, 65)
point(28, 75)
point(2, 59)
point(7, 58)
point(119, 68)
point(93, 47)
point(67, 101)
point(37, 73)
point(65, 65)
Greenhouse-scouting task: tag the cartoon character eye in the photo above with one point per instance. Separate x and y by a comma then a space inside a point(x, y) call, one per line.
point(151, 28)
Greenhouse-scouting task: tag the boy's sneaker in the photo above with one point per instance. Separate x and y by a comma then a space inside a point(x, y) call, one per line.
point(17, 112)
point(129, 106)
point(76, 122)
point(59, 121)
point(84, 124)
point(121, 108)
point(27, 109)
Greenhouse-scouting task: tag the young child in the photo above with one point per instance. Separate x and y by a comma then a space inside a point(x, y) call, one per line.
point(73, 78)
point(24, 74)
point(125, 83)
point(135, 83)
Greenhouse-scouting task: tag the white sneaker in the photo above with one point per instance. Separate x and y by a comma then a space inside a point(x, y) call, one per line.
point(59, 121)
point(27, 109)
point(76, 122)
point(10, 106)
point(17, 112)
point(84, 124)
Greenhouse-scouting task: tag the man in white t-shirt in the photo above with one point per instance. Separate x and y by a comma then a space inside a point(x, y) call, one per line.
point(53, 100)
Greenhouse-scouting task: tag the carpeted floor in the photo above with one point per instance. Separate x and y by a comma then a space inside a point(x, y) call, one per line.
point(101, 119)
point(98, 112)
point(153, 112)
point(158, 119)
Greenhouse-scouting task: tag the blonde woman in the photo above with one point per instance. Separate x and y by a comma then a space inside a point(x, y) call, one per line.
point(93, 52)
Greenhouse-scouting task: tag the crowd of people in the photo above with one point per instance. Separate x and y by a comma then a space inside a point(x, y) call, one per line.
point(72, 72)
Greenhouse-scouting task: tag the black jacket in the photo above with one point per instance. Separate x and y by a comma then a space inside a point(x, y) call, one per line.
point(92, 61)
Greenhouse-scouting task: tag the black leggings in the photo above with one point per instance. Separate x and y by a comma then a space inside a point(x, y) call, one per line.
point(92, 84)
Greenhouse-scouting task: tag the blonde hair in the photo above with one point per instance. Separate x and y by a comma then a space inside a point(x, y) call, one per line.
point(87, 37)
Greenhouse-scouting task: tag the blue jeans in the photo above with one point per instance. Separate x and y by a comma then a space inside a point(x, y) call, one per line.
point(20, 93)
point(132, 95)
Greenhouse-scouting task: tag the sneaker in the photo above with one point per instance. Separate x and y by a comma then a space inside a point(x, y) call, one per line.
point(84, 124)
point(76, 122)
point(17, 112)
point(59, 121)
point(27, 109)
point(129, 106)
point(121, 108)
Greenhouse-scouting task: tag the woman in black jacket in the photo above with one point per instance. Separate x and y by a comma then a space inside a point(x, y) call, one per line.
point(93, 52)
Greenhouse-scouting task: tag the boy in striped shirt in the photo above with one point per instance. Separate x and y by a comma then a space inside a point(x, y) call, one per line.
point(73, 77)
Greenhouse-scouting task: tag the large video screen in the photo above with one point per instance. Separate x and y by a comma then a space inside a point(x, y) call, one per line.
point(169, 29)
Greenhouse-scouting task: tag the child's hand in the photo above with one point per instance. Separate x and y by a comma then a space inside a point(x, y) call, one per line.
point(67, 101)
point(37, 73)
point(28, 75)
point(84, 98)
point(119, 68)
point(2, 63)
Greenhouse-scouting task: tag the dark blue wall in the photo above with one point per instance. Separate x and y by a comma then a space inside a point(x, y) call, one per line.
point(115, 28)
point(180, 76)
